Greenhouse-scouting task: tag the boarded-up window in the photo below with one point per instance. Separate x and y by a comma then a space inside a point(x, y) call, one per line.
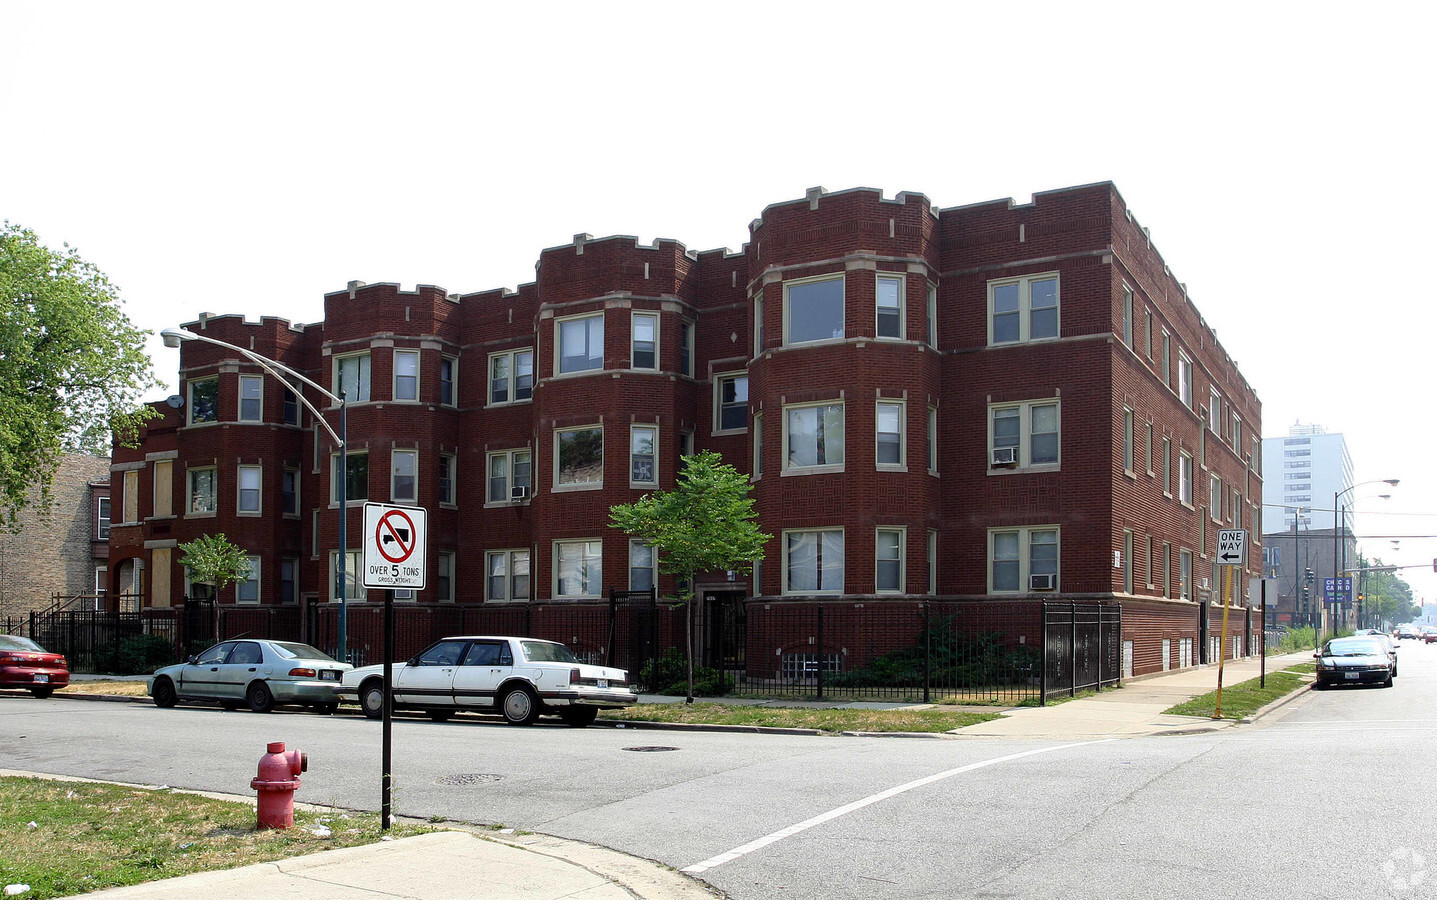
point(164, 487)
point(132, 496)
point(160, 576)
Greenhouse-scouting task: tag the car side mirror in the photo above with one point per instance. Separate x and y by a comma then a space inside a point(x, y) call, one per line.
point(1317, 655)
point(190, 660)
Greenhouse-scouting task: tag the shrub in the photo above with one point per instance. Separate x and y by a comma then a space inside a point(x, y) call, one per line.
point(672, 677)
point(139, 654)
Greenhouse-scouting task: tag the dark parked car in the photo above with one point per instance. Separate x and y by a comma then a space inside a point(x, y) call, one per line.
point(1354, 660)
point(25, 664)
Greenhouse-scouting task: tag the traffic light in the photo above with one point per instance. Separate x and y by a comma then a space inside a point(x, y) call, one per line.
point(1306, 598)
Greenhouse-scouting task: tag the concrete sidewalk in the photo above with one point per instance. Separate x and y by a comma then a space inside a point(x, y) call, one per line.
point(1137, 708)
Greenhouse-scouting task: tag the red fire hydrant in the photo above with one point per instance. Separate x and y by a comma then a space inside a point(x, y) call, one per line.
point(276, 783)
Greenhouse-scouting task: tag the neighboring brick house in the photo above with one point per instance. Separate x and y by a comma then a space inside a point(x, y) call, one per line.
point(990, 401)
point(60, 550)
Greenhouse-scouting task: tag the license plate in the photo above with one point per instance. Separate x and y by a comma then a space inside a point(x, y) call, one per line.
point(603, 683)
point(1352, 676)
point(328, 675)
point(41, 679)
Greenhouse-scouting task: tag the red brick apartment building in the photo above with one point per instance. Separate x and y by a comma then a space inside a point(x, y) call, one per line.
point(992, 401)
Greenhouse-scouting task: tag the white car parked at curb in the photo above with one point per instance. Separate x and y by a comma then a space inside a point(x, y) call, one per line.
point(520, 678)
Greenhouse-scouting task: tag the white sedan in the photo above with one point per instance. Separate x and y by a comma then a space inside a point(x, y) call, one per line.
point(521, 678)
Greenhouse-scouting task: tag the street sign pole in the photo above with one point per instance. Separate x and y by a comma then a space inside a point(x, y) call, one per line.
point(1232, 554)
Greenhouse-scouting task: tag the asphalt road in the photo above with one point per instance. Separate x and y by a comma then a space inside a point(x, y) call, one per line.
point(1323, 799)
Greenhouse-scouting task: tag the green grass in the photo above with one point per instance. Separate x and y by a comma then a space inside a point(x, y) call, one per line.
point(829, 721)
point(65, 837)
point(1245, 698)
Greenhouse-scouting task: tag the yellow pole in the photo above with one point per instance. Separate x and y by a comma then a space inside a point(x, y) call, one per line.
point(1227, 577)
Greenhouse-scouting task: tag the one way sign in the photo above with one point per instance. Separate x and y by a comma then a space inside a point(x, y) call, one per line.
point(1232, 546)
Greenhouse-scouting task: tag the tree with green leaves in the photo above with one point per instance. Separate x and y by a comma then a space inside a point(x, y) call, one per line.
point(1388, 596)
point(73, 369)
point(706, 523)
point(214, 560)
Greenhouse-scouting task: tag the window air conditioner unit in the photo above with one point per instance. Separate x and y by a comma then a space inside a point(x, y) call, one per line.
point(1042, 582)
point(1005, 456)
point(518, 492)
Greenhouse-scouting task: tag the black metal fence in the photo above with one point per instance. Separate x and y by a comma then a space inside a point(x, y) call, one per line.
point(985, 652)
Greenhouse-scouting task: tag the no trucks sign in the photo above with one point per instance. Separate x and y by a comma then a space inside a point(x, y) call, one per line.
point(394, 541)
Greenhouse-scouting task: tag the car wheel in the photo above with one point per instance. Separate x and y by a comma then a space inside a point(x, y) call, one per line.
point(440, 715)
point(1388, 682)
point(1319, 685)
point(42, 692)
point(520, 706)
point(164, 693)
point(259, 697)
point(371, 698)
point(325, 709)
point(579, 716)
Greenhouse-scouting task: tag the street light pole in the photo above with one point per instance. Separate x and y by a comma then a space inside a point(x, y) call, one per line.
point(173, 337)
point(1339, 544)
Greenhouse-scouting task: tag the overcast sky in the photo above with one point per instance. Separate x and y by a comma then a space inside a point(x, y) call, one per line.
point(248, 158)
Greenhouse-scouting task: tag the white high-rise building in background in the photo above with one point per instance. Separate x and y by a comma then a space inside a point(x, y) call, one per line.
point(1304, 470)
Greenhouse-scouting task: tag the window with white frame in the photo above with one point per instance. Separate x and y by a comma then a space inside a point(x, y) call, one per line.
point(510, 469)
point(1023, 309)
point(1185, 379)
point(578, 569)
point(932, 317)
point(813, 436)
point(291, 406)
point(1185, 478)
point(1167, 465)
point(889, 305)
point(1167, 358)
point(314, 534)
point(1185, 574)
point(204, 400)
point(892, 448)
point(447, 465)
point(813, 561)
point(1128, 441)
point(686, 348)
point(757, 446)
point(1236, 432)
point(758, 324)
point(1148, 563)
point(1127, 316)
point(889, 553)
point(353, 575)
point(444, 580)
point(511, 376)
point(448, 379)
point(813, 310)
point(643, 456)
point(507, 575)
point(251, 398)
point(580, 343)
point(406, 374)
point(1127, 561)
point(932, 561)
point(247, 591)
point(1214, 410)
point(1149, 445)
point(579, 457)
point(1023, 559)
point(202, 493)
point(1214, 497)
point(289, 491)
point(102, 518)
point(932, 441)
point(1167, 569)
point(404, 476)
point(644, 352)
point(1024, 435)
point(1148, 331)
point(356, 476)
point(643, 566)
point(730, 402)
point(351, 373)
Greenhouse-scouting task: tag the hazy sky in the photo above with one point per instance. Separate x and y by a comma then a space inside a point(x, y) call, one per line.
point(248, 158)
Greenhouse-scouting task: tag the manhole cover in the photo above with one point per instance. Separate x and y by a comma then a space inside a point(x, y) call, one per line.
point(650, 749)
point(461, 780)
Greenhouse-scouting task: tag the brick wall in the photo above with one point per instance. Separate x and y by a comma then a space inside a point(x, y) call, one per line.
point(52, 552)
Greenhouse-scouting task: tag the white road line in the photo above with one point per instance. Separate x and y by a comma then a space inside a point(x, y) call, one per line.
point(790, 831)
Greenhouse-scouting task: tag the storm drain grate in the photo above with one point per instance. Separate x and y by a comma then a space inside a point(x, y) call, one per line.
point(462, 780)
point(650, 749)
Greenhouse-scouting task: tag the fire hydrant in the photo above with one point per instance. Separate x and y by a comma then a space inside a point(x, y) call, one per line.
point(276, 783)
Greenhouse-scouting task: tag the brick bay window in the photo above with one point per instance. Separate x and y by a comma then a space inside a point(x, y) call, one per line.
point(644, 352)
point(289, 492)
point(643, 566)
point(813, 310)
point(510, 475)
point(579, 458)
point(892, 449)
point(356, 476)
point(889, 306)
point(248, 501)
point(643, 460)
point(578, 570)
point(506, 575)
point(447, 464)
point(1023, 309)
point(511, 376)
point(813, 561)
point(730, 402)
point(448, 378)
point(579, 344)
point(813, 438)
point(251, 397)
point(889, 555)
point(204, 400)
point(201, 491)
point(351, 374)
point(406, 374)
point(1023, 436)
point(404, 476)
point(1022, 560)
point(247, 591)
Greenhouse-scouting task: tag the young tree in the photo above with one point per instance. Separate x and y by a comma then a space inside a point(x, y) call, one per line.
point(214, 560)
point(72, 367)
point(706, 523)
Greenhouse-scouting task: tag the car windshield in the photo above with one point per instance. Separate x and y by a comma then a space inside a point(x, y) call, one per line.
point(1354, 647)
point(546, 651)
point(295, 650)
point(15, 642)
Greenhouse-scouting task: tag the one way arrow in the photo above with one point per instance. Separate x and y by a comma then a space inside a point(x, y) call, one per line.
point(1227, 556)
